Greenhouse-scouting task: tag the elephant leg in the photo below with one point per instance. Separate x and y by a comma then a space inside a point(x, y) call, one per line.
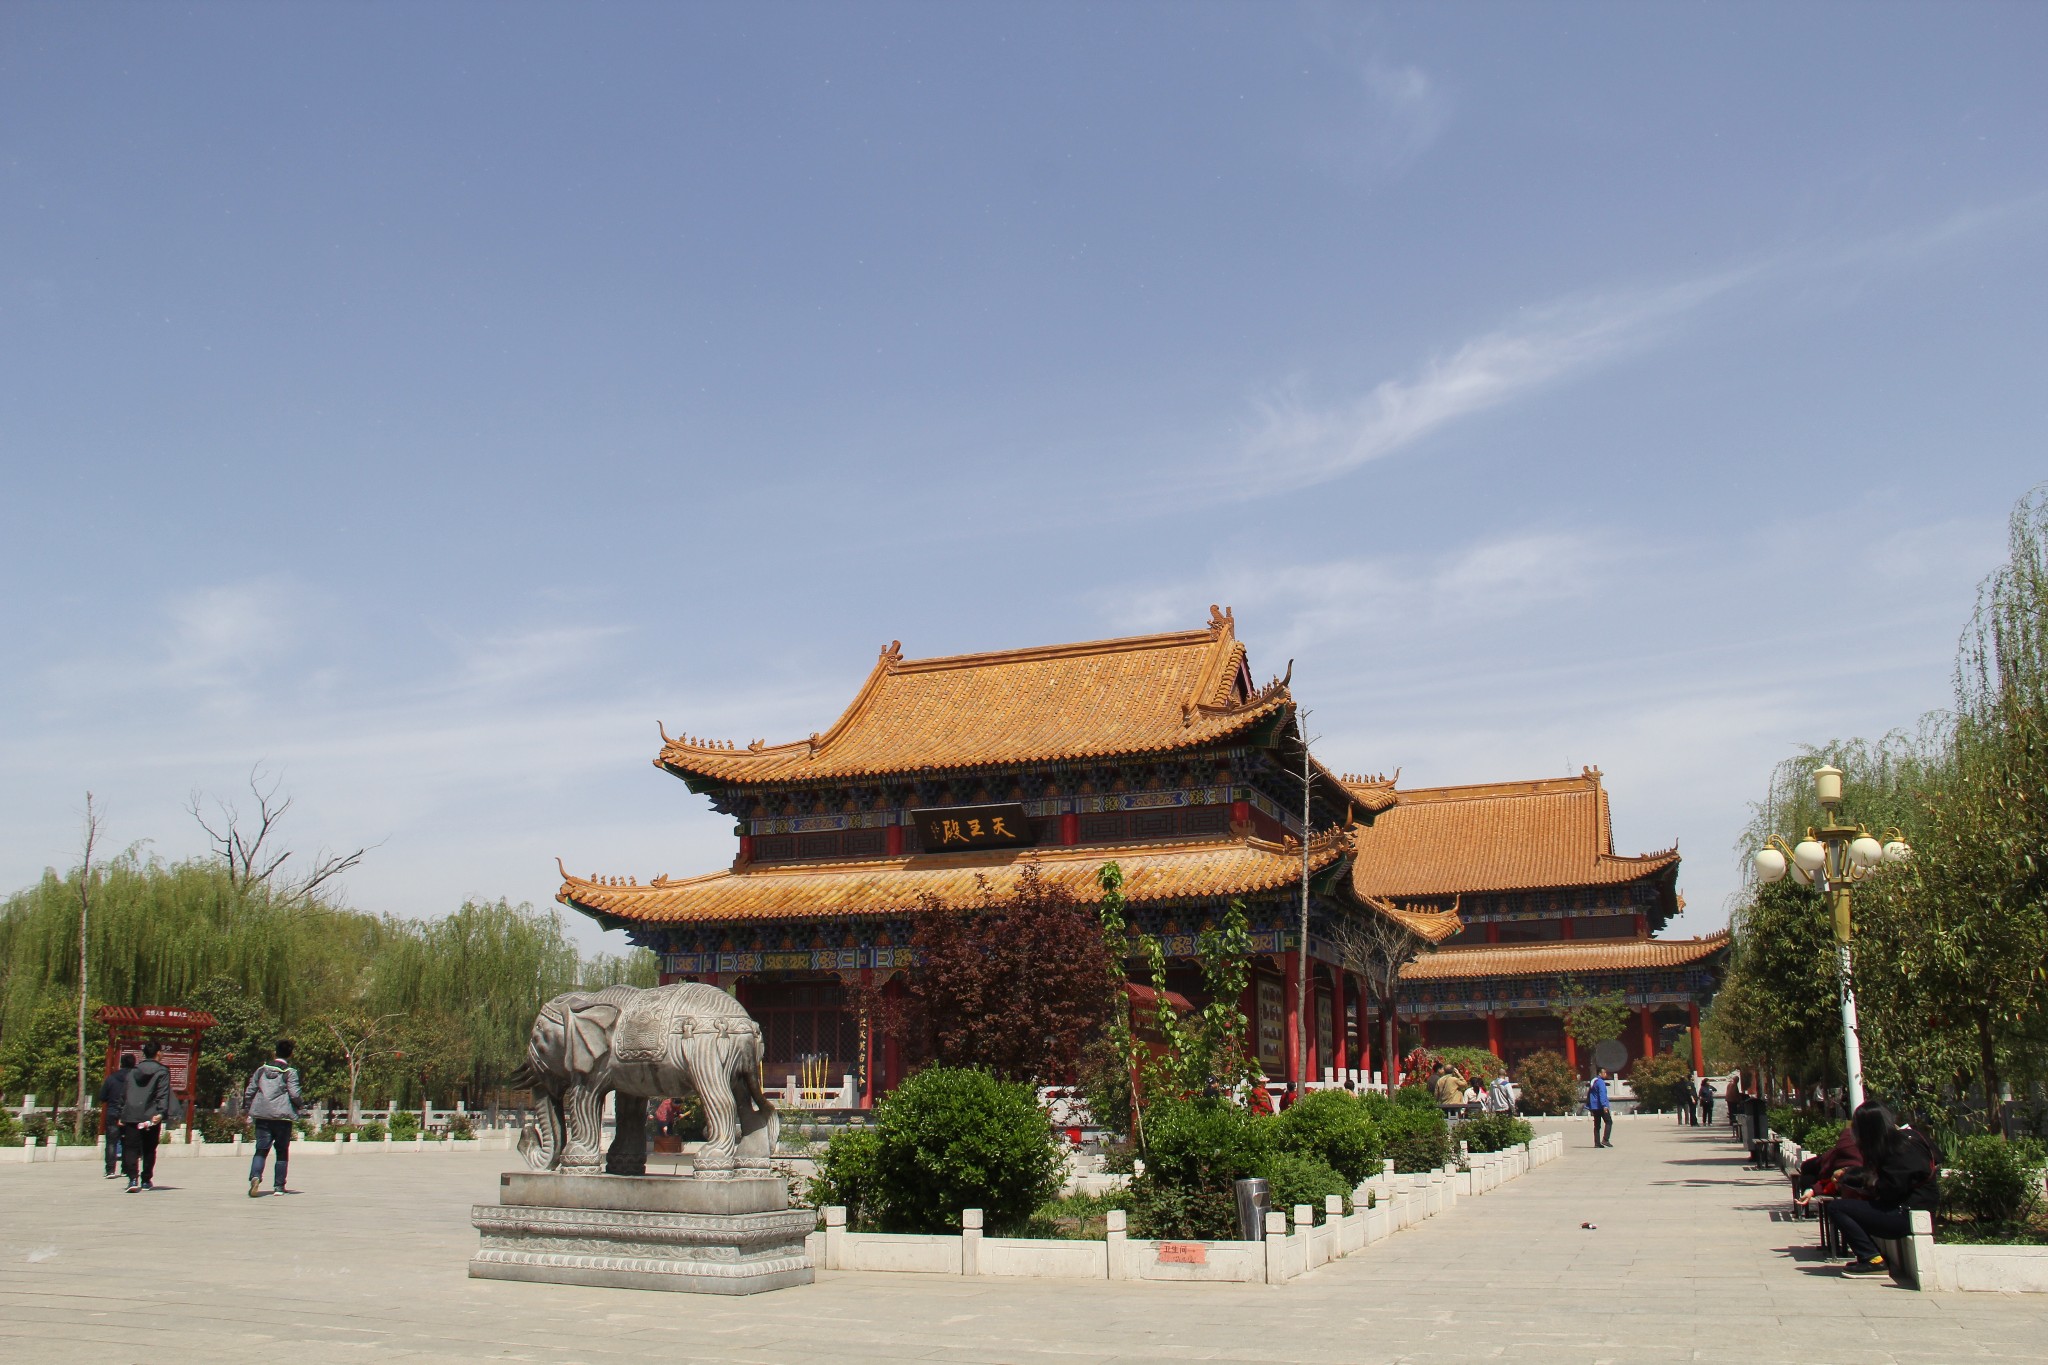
point(707, 1054)
point(583, 1116)
point(628, 1152)
point(760, 1121)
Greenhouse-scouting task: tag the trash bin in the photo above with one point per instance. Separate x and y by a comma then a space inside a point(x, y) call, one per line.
point(1254, 1202)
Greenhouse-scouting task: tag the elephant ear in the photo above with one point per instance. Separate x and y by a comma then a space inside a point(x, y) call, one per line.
point(590, 1036)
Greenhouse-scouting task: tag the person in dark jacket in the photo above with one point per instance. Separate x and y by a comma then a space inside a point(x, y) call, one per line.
point(144, 1110)
point(1837, 1170)
point(272, 1101)
point(1900, 1176)
point(113, 1093)
point(1707, 1093)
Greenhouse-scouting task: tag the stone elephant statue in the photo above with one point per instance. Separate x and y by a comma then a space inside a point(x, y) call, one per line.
point(638, 1045)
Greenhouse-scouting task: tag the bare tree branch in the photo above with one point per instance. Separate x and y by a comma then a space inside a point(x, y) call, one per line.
point(1377, 947)
point(251, 854)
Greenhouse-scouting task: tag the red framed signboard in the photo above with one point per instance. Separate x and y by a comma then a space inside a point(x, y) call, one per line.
point(176, 1032)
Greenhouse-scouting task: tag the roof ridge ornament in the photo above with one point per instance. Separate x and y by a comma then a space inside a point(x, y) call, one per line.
point(1222, 621)
point(892, 653)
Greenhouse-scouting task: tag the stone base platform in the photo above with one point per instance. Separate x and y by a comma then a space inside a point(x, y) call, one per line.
point(675, 1233)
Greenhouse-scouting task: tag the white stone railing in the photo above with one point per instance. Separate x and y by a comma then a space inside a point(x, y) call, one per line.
point(1294, 1245)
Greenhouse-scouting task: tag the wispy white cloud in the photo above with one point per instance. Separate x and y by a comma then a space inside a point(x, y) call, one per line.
point(1297, 441)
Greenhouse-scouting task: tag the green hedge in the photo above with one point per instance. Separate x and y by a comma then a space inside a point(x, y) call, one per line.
point(945, 1140)
point(1492, 1132)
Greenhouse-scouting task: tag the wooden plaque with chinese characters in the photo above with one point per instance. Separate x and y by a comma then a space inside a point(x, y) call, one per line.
point(957, 829)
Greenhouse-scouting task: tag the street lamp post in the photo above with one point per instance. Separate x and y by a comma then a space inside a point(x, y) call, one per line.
point(1834, 857)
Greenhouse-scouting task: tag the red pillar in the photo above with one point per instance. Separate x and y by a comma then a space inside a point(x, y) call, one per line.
point(1493, 1035)
point(1337, 1020)
point(868, 1049)
point(1699, 1052)
point(1290, 968)
point(1492, 933)
point(1571, 1053)
point(892, 840)
point(1642, 926)
point(1649, 1032)
point(1565, 928)
point(1070, 828)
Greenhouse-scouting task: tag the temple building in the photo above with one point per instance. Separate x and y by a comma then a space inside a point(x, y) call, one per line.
point(1551, 916)
point(1156, 752)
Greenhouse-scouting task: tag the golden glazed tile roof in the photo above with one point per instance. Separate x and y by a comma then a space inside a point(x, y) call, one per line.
point(1498, 836)
point(1563, 958)
point(1427, 923)
point(886, 886)
point(1145, 694)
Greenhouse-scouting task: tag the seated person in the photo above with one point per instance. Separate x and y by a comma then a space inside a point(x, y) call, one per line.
point(1903, 1176)
point(1837, 1171)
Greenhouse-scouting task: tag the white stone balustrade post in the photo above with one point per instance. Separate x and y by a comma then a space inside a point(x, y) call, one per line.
point(970, 1241)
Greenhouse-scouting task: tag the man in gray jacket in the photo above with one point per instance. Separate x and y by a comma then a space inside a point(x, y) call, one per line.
point(143, 1115)
point(272, 1102)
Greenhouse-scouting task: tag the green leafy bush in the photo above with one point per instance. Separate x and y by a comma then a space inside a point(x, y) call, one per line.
point(1658, 1081)
point(1492, 1132)
point(460, 1128)
point(10, 1129)
point(1994, 1181)
point(215, 1126)
point(1415, 1095)
point(1292, 1178)
point(1414, 1134)
point(370, 1132)
point(1547, 1083)
point(1332, 1127)
point(847, 1176)
point(404, 1125)
point(953, 1138)
point(1473, 1063)
point(1823, 1134)
point(1786, 1121)
point(1195, 1153)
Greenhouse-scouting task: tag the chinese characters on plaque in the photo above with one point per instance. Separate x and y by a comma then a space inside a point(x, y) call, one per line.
point(957, 829)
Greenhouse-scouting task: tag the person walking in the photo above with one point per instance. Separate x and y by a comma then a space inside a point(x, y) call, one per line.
point(145, 1108)
point(1689, 1103)
point(272, 1101)
point(1707, 1093)
point(113, 1093)
point(1503, 1094)
point(1597, 1106)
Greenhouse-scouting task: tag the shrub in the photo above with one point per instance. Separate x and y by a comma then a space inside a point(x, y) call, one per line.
point(1332, 1127)
point(1076, 1217)
point(1786, 1122)
point(1417, 1139)
point(10, 1130)
point(1994, 1181)
point(1824, 1134)
point(1492, 1132)
point(1658, 1081)
point(1195, 1153)
point(847, 1176)
point(1416, 1095)
point(370, 1132)
point(953, 1138)
point(460, 1128)
point(404, 1125)
point(1473, 1063)
point(1547, 1083)
point(215, 1126)
point(1296, 1179)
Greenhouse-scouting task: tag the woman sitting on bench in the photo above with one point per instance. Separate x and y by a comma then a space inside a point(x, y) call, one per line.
point(1834, 1172)
point(1901, 1170)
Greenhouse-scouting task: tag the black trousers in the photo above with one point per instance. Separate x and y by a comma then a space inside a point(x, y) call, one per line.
point(1706, 1110)
point(1603, 1126)
point(1860, 1223)
point(113, 1141)
point(138, 1149)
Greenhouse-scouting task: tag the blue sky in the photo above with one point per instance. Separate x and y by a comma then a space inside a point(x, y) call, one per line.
point(424, 400)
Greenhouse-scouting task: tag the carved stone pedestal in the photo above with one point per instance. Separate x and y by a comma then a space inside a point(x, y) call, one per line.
point(677, 1233)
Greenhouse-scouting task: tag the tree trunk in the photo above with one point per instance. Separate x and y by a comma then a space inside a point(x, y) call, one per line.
point(1989, 1061)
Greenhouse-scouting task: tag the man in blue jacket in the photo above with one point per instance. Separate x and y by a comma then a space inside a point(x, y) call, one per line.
point(1596, 1105)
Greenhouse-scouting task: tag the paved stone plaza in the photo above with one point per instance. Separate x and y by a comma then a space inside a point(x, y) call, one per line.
point(370, 1264)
